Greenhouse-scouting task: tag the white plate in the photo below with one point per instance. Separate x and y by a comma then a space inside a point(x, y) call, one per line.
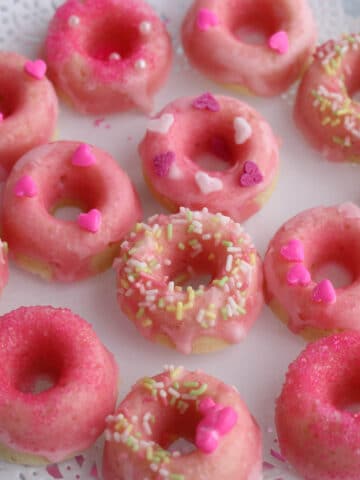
point(257, 366)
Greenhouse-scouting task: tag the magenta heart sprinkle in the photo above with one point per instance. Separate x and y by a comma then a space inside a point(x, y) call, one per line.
point(36, 69)
point(293, 251)
point(251, 175)
point(206, 101)
point(324, 292)
point(206, 19)
point(298, 275)
point(163, 162)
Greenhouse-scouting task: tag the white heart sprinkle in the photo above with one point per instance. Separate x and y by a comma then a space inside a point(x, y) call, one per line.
point(243, 130)
point(162, 124)
point(175, 173)
point(208, 184)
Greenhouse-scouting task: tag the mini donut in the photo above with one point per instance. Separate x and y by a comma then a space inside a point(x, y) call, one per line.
point(28, 108)
point(59, 174)
point(228, 129)
point(318, 435)
point(44, 426)
point(324, 110)
point(189, 405)
point(302, 245)
point(108, 55)
point(212, 42)
point(159, 257)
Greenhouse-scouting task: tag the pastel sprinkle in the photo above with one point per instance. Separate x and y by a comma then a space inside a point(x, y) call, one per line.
point(90, 221)
point(298, 275)
point(1, 117)
point(293, 251)
point(36, 69)
point(206, 19)
point(163, 162)
point(251, 175)
point(208, 184)
point(114, 56)
point(199, 391)
point(73, 21)
point(324, 292)
point(83, 156)
point(277, 455)
point(243, 130)
point(279, 42)
point(145, 28)
point(141, 64)
point(161, 124)
point(206, 101)
point(25, 187)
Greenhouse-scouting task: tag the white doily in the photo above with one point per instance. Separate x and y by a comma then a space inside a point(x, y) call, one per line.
point(23, 25)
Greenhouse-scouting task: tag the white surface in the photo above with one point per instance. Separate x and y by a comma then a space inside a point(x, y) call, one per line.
point(257, 366)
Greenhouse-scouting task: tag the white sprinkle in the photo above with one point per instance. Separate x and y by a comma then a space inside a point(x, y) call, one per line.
point(243, 130)
point(174, 392)
point(145, 28)
point(134, 419)
point(110, 419)
point(171, 286)
point(147, 416)
point(117, 437)
point(167, 262)
point(232, 303)
point(200, 315)
point(163, 394)
point(208, 184)
point(129, 292)
point(229, 262)
point(163, 472)
point(120, 417)
point(234, 249)
point(147, 428)
point(207, 236)
point(73, 21)
point(115, 56)
point(154, 467)
point(176, 454)
point(141, 64)
point(108, 435)
point(159, 385)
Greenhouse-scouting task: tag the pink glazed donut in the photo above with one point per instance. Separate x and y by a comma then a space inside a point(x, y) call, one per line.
point(59, 174)
point(40, 426)
point(228, 129)
point(317, 426)
point(108, 55)
point(188, 405)
point(324, 110)
point(161, 256)
point(301, 246)
point(28, 108)
point(212, 41)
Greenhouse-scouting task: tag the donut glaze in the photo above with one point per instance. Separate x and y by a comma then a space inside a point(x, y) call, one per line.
point(324, 110)
point(108, 55)
point(302, 245)
point(225, 127)
point(28, 110)
point(60, 174)
point(164, 408)
point(318, 435)
point(161, 256)
point(53, 424)
point(212, 42)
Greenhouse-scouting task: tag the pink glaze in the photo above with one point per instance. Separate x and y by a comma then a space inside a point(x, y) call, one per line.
point(67, 417)
point(165, 408)
point(324, 110)
point(317, 435)
point(108, 55)
point(68, 250)
point(28, 109)
point(159, 257)
point(215, 47)
point(326, 234)
point(225, 127)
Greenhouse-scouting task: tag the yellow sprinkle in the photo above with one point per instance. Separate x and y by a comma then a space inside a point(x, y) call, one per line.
point(146, 323)
point(170, 231)
point(181, 246)
point(191, 293)
point(211, 256)
point(325, 121)
point(161, 303)
point(138, 227)
point(211, 315)
point(252, 259)
point(179, 311)
point(170, 308)
point(124, 283)
point(140, 312)
point(336, 122)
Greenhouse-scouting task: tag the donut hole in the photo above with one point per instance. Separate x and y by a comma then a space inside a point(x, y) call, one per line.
point(73, 193)
point(347, 395)
point(339, 274)
point(112, 36)
point(38, 369)
point(176, 431)
point(214, 149)
point(196, 280)
point(256, 22)
point(10, 97)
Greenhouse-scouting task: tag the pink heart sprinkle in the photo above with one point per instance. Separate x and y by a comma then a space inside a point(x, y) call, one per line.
point(298, 275)
point(90, 221)
point(83, 156)
point(25, 187)
point(36, 69)
point(206, 102)
point(1, 117)
point(324, 292)
point(293, 251)
point(279, 42)
point(206, 19)
point(53, 471)
point(163, 162)
point(251, 175)
point(207, 440)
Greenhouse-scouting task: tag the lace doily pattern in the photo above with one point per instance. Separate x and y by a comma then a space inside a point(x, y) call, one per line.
point(23, 25)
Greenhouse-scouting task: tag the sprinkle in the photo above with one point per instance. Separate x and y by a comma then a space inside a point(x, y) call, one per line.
point(199, 391)
point(1, 117)
point(83, 156)
point(279, 42)
point(191, 384)
point(179, 311)
point(141, 64)
point(147, 323)
point(170, 232)
point(145, 28)
point(176, 476)
point(90, 221)
point(163, 162)
point(73, 21)
point(162, 124)
point(181, 246)
point(25, 187)
point(206, 102)
point(208, 184)
point(114, 56)
point(243, 130)
point(251, 175)
point(206, 19)
point(173, 392)
point(36, 69)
